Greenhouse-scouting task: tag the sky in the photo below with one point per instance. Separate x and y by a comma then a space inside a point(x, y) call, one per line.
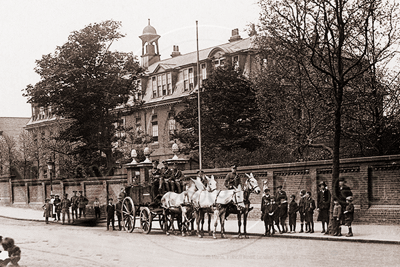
point(32, 28)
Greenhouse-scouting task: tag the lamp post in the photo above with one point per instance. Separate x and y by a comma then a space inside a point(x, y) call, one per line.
point(50, 165)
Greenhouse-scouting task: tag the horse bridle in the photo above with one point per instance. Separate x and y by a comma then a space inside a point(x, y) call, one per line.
point(237, 203)
point(252, 187)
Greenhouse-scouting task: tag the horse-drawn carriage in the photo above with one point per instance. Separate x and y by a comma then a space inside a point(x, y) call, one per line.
point(138, 203)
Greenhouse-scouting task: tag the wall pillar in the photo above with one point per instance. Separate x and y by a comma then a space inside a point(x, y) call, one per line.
point(26, 193)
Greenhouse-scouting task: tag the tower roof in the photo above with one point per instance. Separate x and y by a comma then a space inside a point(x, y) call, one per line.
point(149, 30)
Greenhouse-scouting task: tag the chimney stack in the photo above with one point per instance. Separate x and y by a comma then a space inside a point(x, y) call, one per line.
point(235, 35)
point(175, 51)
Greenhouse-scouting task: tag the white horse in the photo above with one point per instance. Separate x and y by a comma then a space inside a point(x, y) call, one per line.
point(176, 205)
point(216, 200)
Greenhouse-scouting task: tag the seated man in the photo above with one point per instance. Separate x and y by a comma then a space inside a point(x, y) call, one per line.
point(178, 177)
point(155, 176)
point(167, 181)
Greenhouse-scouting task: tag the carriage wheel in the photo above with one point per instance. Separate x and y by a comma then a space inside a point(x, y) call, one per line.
point(145, 220)
point(128, 214)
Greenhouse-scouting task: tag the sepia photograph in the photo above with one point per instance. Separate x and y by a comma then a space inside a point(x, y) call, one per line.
point(199, 133)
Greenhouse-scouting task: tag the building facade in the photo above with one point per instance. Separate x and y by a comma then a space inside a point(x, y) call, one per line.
point(163, 86)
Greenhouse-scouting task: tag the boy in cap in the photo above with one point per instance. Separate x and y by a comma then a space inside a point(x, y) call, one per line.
point(349, 215)
point(273, 215)
point(74, 206)
point(265, 202)
point(57, 205)
point(283, 212)
point(310, 207)
point(47, 207)
point(293, 208)
point(65, 204)
point(337, 211)
point(302, 210)
point(110, 210)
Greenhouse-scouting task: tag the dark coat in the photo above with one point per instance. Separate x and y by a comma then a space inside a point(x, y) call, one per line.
point(65, 204)
point(82, 202)
point(118, 208)
point(57, 204)
point(280, 195)
point(110, 210)
point(232, 180)
point(302, 205)
point(293, 207)
point(349, 215)
point(324, 202)
point(264, 202)
point(48, 208)
point(283, 210)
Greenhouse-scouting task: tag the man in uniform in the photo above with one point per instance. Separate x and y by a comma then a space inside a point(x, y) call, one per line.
point(232, 179)
point(82, 202)
point(279, 195)
point(74, 206)
point(167, 178)
point(178, 176)
point(57, 205)
point(155, 175)
point(302, 210)
point(65, 204)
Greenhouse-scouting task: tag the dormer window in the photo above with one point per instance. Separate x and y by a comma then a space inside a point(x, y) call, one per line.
point(188, 79)
point(154, 86)
point(169, 83)
point(162, 85)
point(235, 62)
point(219, 62)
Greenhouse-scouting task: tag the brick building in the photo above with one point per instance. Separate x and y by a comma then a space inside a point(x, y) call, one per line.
point(165, 83)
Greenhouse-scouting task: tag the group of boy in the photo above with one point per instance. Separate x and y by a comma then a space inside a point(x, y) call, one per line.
point(275, 210)
point(165, 179)
point(55, 207)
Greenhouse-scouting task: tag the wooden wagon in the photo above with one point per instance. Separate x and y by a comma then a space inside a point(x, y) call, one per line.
point(139, 204)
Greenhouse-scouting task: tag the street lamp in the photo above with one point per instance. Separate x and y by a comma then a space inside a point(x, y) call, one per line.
point(50, 165)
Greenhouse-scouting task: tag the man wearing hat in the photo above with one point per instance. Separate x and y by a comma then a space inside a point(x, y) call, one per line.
point(232, 179)
point(349, 214)
point(178, 176)
point(279, 195)
point(57, 205)
point(65, 204)
point(167, 179)
point(155, 175)
point(265, 202)
point(324, 202)
point(118, 212)
point(47, 207)
point(82, 202)
point(302, 210)
point(110, 210)
point(74, 206)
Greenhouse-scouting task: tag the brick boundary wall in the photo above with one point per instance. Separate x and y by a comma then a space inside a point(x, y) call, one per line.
point(375, 183)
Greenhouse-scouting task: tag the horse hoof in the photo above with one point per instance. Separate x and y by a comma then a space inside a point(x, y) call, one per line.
point(214, 237)
point(240, 237)
point(200, 236)
point(167, 233)
point(222, 236)
point(183, 234)
point(247, 237)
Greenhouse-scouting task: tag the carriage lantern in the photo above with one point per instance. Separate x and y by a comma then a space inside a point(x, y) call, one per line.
point(134, 156)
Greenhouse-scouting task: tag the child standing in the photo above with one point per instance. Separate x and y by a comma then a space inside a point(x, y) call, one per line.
point(349, 214)
point(310, 207)
point(337, 210)
point(273, 215)
point(47, 207)
point(283, 212)
point(14, 252)
point(293, 208)
point(110, 213)
point(265, 203)
point(302, 210)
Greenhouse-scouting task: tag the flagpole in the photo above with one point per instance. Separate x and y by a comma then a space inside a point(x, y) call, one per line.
point(198, 93)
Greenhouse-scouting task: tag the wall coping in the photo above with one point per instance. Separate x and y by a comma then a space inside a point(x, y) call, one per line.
point(260, 168)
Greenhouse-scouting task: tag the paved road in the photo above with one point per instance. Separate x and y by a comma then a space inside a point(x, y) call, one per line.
point(67, 245)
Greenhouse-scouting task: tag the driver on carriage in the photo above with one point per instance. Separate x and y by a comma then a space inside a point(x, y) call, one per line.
point(232, 179)
point(155, 175)
point(167, 179)
point(202, 177)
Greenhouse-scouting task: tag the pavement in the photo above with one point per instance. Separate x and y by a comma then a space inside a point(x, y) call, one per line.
point(371, 233)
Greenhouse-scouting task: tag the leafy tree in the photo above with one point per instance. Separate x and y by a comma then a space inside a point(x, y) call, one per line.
point(8, 153)
point(229, 115)
point(85, 84)
point(330, 41)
